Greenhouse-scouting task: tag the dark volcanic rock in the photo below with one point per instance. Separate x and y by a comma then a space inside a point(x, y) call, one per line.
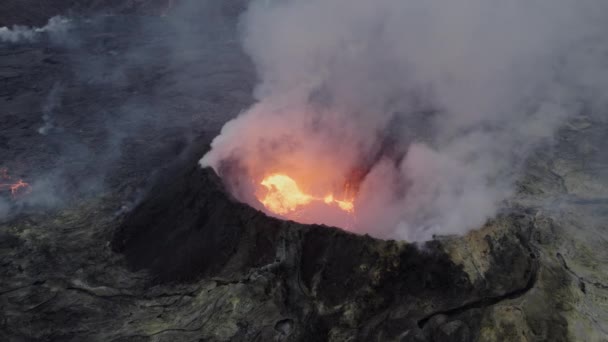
point(188, 227)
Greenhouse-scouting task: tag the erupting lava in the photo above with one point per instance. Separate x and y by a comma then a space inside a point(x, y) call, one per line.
point(284, 196)
point(16, 188)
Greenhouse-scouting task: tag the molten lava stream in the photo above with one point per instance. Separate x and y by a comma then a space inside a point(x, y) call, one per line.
point(284, 197)
point(16, 188)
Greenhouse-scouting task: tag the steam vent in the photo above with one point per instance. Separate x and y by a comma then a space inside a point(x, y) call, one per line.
point(303, 170)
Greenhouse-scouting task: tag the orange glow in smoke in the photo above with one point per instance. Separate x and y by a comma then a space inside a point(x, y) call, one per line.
point(284, 196)
point(16, 188)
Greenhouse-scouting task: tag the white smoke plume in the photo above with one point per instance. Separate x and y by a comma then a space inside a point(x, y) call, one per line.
point(438, 102)
point(52, 103)
point(56, 28)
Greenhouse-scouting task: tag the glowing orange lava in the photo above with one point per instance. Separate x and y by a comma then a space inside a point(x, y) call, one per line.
point(16, 188)
point(284, 196)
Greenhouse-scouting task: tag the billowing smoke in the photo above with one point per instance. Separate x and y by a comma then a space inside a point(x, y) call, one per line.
point(431, 106)
point(56, 29)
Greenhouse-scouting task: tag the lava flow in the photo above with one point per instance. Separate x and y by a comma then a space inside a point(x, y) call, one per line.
point(284, 196)
point(16, 188)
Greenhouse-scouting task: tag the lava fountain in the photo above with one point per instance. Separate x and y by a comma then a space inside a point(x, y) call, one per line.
point(288, 198)
point(284, 197)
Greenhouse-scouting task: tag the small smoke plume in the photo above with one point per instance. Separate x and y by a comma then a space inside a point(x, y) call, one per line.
point(56, 29)
point(53, 102)
point(431, 106)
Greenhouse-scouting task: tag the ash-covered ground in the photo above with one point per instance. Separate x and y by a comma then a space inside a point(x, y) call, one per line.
point(125, 238)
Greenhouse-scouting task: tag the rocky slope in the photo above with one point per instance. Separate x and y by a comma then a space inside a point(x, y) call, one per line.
point(188, 263)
